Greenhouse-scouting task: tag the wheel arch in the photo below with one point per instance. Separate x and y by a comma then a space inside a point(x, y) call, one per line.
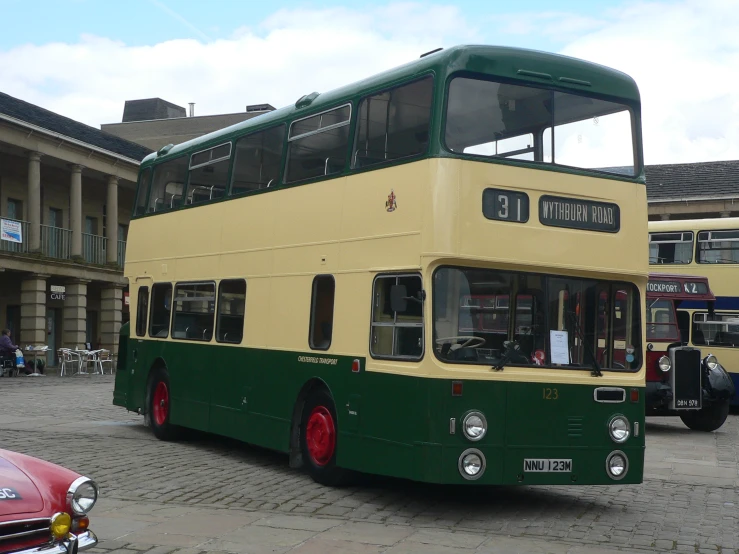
point(157, 364)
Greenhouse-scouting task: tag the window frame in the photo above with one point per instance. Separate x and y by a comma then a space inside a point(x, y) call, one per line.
point(174, 312)
point(211, 161)
point(218, 311)
point(682, 234)
point(151, 310)
point(184, 185)
point(613, 287)
point(139, 186)
point(352, 154)
point(694, 325)
point(698, 242)
point(395, 325)
point(636, 135)
point(279, 180)
point(312, 319)
point(348, 123)
point(145, 290)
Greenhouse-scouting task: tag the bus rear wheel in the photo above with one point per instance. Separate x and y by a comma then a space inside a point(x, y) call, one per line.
point(707, 419)
point(319, 440)
point(160, 403)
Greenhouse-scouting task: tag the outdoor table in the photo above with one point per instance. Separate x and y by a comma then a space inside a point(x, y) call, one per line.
point(34, 350)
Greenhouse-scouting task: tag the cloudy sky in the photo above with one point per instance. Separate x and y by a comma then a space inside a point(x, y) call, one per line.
point(84, 58)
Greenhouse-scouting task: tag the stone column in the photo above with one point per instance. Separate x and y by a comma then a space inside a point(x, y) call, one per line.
point(111, 304)
point(75, 212)
point(75, 314)
point(33, 311)
point(112, 220)
point(664, 217)
point(34, 202)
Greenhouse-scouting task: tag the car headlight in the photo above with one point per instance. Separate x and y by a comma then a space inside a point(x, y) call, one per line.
point(618, 428)
point(664, 363)
point(711, 362)
point(474, 426)
point(82, 495)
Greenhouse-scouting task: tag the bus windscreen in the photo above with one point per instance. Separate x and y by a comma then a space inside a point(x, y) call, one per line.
point(500, 120)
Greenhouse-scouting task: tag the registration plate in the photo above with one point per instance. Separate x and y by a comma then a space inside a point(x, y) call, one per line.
point(547, 465)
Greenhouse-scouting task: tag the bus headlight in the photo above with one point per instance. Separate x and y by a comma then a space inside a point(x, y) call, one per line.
point(474, 426)
point(617, 465)
point(471, 464)
point(711, 362)
point(82, 495)
point(618, 428)
point(664, 363)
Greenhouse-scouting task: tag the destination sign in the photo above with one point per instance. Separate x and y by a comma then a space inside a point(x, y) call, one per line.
point(665, 287)
point(675, 287)
point(557, 211)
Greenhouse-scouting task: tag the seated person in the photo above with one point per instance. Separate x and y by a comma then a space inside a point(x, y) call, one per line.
point(7, 348)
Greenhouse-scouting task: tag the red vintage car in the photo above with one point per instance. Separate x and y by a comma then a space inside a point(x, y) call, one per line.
point(43, 507)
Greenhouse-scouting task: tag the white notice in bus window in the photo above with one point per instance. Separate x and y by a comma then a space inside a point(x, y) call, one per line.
point(560, 347)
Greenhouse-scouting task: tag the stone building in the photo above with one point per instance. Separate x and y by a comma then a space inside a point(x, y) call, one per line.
point(66, 192)
point(153, 122)
point(693, 190)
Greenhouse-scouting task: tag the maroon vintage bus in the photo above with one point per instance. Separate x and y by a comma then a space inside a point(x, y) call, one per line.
point(680, 379)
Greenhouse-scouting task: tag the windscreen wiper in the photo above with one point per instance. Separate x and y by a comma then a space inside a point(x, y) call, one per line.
point(596, 372)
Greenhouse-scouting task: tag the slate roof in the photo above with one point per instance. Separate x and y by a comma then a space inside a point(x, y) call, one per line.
point(692, 181)
point(56, 123)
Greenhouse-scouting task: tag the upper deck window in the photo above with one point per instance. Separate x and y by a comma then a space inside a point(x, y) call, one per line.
point(167, 185)
point(671, 248)
point(394, 124)
point(208, 174)
point(718, 247)
point(142, 191)
point(318, 144)
point(500, 120)
point(257, 161)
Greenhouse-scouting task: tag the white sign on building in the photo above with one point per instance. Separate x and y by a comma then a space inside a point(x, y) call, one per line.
point(10, 230)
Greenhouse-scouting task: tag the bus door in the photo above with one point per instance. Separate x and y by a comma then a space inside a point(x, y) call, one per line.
point(136, 371)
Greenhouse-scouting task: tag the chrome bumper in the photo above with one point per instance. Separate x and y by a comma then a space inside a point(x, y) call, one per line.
point(71, 545)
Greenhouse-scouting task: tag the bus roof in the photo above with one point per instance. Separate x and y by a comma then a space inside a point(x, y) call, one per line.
point(710, 224)
point(679, 287)
point(538, 68)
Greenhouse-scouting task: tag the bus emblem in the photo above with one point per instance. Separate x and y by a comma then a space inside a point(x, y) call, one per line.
point(391, 204)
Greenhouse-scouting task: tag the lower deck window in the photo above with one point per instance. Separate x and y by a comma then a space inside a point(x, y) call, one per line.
point(397, 330)
point(231, 304)
point(496, 317)
point(194, 307)
point(719, 329)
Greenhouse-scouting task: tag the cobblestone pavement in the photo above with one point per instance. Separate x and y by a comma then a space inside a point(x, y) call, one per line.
point(689, 501)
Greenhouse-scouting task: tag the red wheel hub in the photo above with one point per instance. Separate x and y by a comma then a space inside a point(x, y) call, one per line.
point(320, 436)
point(161, 403)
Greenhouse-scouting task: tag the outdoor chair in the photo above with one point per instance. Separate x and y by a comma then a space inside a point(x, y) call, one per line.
point(67, 360)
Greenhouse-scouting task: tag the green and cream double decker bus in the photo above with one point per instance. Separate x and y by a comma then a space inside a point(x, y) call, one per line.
point(437, 273)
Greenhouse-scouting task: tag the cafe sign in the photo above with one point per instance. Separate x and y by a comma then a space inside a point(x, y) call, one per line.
point(573, 213)
point(57, 292)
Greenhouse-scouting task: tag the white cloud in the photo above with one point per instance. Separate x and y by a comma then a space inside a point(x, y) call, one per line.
point(683, 54)
point(290, 54)
point(684, 57)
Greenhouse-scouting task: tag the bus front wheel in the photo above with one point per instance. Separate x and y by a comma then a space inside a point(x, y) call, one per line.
point(707, 419)
point(160, 402)
point(319, 440)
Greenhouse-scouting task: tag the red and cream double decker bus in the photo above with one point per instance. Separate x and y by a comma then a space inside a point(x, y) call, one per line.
point(680, 379)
